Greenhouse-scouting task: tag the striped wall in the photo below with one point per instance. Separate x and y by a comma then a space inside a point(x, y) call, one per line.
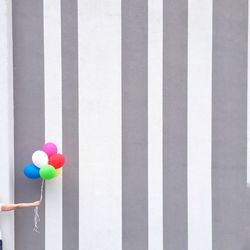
point(149, 101)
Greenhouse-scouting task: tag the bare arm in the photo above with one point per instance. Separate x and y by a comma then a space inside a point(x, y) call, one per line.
point(10, 207)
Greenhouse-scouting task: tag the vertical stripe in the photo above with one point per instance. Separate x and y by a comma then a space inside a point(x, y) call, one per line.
point(248, 135)
point(155, 216)
point(175, 124)
point(70, 124)
point(248, 101)
point(134, 124)
point(99, 34)
point(28, 114)
point(229, 138)
point(6, 124)
point(53, 118)
point(199, 124)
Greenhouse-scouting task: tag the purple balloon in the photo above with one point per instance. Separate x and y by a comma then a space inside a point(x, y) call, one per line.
point(50, 149)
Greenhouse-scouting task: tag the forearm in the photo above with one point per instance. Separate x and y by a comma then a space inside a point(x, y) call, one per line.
point(10, 207)
point(24, 205)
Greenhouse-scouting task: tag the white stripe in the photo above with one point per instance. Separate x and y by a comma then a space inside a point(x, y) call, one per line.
point(99, 34)
point(53, 118)
point(248, 102)
point(199, 124)
point(6, 124)
point(155, 192)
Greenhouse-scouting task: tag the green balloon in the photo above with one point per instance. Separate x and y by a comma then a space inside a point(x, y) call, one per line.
point(47, 172)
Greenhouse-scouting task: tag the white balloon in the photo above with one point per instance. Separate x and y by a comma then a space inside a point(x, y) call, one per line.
point(40, 158)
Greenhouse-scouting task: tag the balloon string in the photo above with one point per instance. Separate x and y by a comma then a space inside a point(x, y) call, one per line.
point(36, 211)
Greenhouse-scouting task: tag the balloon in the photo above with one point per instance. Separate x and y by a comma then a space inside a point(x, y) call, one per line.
point(31, 171)
point(50, 149)
point(58, 172)
point(56, 160)
point(40, 158)
point(47, 172)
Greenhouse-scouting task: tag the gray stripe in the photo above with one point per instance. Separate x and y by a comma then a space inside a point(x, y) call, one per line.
point(28, 114)
point(70, 124)
point(175, 124)
point(134, 125)
point(229, 124)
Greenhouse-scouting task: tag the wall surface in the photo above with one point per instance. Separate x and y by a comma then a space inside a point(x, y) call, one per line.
point(148, 100)
point(6, 123)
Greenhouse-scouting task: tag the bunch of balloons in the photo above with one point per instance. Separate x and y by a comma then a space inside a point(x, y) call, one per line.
point(46, 163)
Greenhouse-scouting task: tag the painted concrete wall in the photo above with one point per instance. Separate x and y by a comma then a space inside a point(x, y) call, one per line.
point(148, 100)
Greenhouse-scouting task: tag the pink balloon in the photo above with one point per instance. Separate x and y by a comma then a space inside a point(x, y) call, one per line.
point(50, 149)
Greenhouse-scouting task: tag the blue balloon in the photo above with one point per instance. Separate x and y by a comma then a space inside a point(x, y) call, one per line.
point(31, 171)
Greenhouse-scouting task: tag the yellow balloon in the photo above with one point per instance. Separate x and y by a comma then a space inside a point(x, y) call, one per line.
point(58, 172)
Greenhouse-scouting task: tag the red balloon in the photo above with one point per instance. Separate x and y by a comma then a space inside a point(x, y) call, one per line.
point(56, 160)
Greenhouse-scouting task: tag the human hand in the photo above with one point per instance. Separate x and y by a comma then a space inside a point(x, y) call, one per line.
point(37, 203)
